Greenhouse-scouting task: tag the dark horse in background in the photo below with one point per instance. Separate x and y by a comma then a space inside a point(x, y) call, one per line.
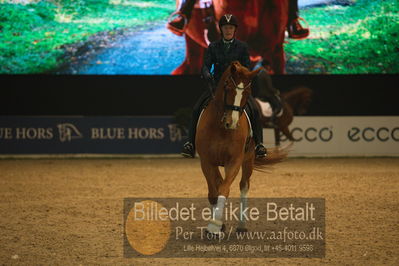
point(262, 26)
point(295, 102)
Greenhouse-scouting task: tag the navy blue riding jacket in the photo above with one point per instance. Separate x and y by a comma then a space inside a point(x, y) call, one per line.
point(220, 58)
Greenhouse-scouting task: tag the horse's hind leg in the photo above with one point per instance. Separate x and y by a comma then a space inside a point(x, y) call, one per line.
point(247, 168)
point(287, 133)
point(277, 136)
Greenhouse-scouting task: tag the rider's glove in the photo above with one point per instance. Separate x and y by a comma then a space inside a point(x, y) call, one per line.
point(209, 79)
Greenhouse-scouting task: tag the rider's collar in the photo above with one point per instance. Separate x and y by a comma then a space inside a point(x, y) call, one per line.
point(228, 42)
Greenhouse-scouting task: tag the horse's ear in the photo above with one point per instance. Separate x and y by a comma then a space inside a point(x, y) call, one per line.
point(233, 69)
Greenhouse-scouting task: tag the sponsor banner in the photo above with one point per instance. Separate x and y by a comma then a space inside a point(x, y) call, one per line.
point(98, 135)
point(342, 136)
point(314, 136)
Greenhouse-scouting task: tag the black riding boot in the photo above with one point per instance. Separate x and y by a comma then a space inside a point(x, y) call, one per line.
point(257, 130)
point(293, 10)
point(189, 146)
point(294, 28)
point(262, 88)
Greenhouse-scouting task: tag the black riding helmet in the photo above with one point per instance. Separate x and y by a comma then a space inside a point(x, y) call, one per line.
point(228, 19)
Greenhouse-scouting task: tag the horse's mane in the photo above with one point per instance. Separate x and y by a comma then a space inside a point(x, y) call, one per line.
point(298, 98)
point(225, 75)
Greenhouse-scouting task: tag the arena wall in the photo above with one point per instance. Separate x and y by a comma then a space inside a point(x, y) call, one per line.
point(159, 135)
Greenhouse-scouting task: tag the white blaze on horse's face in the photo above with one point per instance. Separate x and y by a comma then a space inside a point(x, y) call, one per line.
point(237, 102)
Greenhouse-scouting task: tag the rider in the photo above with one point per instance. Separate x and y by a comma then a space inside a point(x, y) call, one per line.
point(219, 55)
point(179, 23)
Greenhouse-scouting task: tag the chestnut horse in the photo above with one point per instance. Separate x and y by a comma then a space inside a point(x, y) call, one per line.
point(223, 139)
point(295, 102)
point(262, 26)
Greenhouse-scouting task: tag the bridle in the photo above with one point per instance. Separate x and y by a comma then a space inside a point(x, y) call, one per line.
point(232, 106)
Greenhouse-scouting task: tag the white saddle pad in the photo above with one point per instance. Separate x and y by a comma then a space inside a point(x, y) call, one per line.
point(265, 107)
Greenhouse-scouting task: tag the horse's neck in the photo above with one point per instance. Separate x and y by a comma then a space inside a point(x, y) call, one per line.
point(216, 105)
point(297, 98)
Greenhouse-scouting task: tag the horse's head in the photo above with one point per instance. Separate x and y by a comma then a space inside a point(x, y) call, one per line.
point(237, 88)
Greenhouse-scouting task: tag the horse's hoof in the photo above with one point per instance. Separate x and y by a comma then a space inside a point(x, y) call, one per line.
point(241, 230)
point(210, 235)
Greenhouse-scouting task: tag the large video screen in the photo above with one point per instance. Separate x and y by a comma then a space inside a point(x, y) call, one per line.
point(168, 37)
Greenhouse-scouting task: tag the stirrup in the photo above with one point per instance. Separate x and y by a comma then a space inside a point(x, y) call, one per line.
point(173, 29)
point(260, 148)
point(188, 150)
point(306, 27)
point(304, 20)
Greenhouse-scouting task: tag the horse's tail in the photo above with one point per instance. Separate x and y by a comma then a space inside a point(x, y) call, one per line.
point(274, 155)
point(298, 98)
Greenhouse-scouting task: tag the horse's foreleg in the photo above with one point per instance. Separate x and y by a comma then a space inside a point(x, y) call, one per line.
point(278, 61)
point(231, 171)
point(214, 179)
point(193, 61)
point(247, 168)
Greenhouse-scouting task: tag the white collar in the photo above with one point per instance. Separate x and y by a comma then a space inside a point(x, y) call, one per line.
point(226, 42)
